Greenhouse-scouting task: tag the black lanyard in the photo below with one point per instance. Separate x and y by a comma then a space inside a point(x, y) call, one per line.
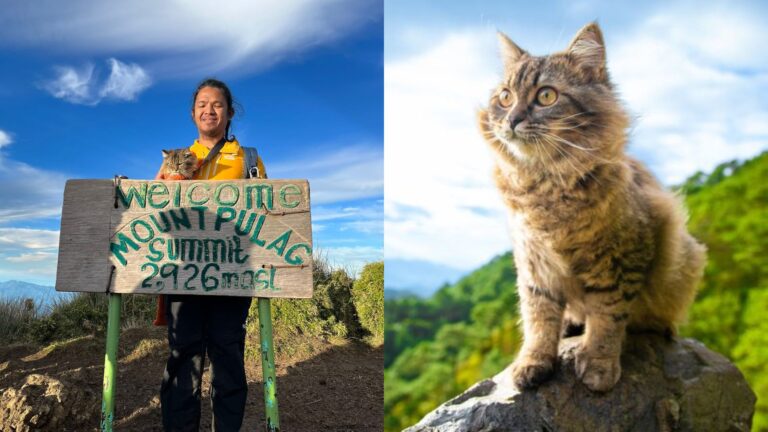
point(214, 151)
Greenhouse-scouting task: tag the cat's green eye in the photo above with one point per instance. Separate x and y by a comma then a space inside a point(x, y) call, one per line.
point(505, 98)
point(546, 96)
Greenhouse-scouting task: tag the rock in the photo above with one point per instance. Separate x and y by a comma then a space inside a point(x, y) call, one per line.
point(666, 386)
point(43, 403)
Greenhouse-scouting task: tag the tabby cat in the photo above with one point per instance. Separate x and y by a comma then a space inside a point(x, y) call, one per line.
point(179, 164)
point(600, 246)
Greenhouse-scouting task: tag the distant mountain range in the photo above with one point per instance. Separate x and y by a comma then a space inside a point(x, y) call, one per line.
point(42, 295)
point(415, 277)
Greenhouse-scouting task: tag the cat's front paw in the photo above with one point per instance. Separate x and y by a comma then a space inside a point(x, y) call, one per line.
point(599, 374)
point(530, 371)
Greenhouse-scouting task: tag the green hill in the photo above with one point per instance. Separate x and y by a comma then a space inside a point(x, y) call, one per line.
point(437, 347)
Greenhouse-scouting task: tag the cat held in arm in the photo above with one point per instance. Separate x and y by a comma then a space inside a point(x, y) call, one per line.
point(179, 164)
point(600, 246)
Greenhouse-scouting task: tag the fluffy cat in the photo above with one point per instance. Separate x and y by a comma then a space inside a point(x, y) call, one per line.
point(599, 244)
point(179, 164)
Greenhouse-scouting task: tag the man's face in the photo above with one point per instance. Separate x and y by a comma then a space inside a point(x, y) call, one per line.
point(210, 112)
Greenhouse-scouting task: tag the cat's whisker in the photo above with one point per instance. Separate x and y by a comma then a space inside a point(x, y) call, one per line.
point(568, 143)
point(568, 158)
point(574, 158)
point(582, 170)
point(557, 127)
point(554, 164)
point(581, 113)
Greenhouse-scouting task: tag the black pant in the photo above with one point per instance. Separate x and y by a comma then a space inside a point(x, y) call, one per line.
point(197, 324)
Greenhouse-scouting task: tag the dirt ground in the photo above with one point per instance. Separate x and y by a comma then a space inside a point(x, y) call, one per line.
point(322, 386)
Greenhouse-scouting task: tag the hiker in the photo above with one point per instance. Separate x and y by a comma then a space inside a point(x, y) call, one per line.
point(213, 324)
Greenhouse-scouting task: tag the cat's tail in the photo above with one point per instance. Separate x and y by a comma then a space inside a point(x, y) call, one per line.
point(677, 269)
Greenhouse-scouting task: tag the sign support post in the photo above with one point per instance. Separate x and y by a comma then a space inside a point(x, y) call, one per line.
point(110, 362)
point(268, 365)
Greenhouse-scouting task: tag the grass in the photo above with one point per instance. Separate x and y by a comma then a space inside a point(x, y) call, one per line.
point(330, 315)
point(16, 317)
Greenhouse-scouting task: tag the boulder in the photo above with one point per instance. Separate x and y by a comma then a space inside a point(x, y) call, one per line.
point(43, 403)
point(666, 385)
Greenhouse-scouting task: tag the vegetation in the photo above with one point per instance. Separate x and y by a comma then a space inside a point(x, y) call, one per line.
point(437, 347)
point(729, 212)
point(368, 294)
point(21, 320)
point(330, 314)
point(16, 318)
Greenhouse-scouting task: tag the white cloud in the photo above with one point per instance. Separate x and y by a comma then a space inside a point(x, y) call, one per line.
point(185, 38)
point(28, 238)
point(33, 257)
point(692, 85)
point(719, 34)
point(125, 81)
point(71, 84)
point(5, 138)
point(28, 192)
point(28, 254)
point(437, 167)
point(343, 174)
point(83, 86)
point(351, 259)
point(366, 218)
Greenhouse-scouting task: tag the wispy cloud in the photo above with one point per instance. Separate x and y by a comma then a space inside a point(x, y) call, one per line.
point(125, 81)
point(689, 83)
point(233, 35)
point(83, 86)
point(352, 259)
point(367, 218)
point(436, 165)
point(347, 173)
point(28, 254)
point(28, 192)
point(24, 239)
point(5, 138)
point(33, 257)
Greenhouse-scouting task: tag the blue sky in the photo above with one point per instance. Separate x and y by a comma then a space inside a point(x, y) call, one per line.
point(691, 74)
point(90, 90)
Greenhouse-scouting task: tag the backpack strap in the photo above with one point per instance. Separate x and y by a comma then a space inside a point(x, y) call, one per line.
point(251, 165)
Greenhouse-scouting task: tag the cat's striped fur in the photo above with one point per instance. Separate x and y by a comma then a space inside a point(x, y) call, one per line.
point(598, 242)
point(179, 164)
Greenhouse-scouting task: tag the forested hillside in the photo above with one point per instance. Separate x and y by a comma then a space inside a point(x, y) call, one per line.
point(437, 347)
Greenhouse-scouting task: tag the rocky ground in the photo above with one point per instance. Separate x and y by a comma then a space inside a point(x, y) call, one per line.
point(322, 386)
point(666, 385)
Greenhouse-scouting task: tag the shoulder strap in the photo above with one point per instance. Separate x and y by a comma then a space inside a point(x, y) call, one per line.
point(214, 151)
point(251, 165)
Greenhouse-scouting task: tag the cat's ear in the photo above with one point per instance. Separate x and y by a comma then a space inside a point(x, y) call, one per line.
point(510, 52)
point(587, 47)
point(166, 153)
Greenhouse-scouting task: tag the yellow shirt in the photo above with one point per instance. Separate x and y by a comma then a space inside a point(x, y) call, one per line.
point(227, 165)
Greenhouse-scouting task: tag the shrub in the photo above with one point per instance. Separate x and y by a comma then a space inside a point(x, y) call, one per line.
point(320, 316)
point(16, 317)
point(86, 313)
point(368, 297)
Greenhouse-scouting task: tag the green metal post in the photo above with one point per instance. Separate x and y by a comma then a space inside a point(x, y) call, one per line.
point(268, 365)
point(110, 362)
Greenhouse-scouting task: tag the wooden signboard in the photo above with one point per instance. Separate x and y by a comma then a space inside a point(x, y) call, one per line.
point(231, 237)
